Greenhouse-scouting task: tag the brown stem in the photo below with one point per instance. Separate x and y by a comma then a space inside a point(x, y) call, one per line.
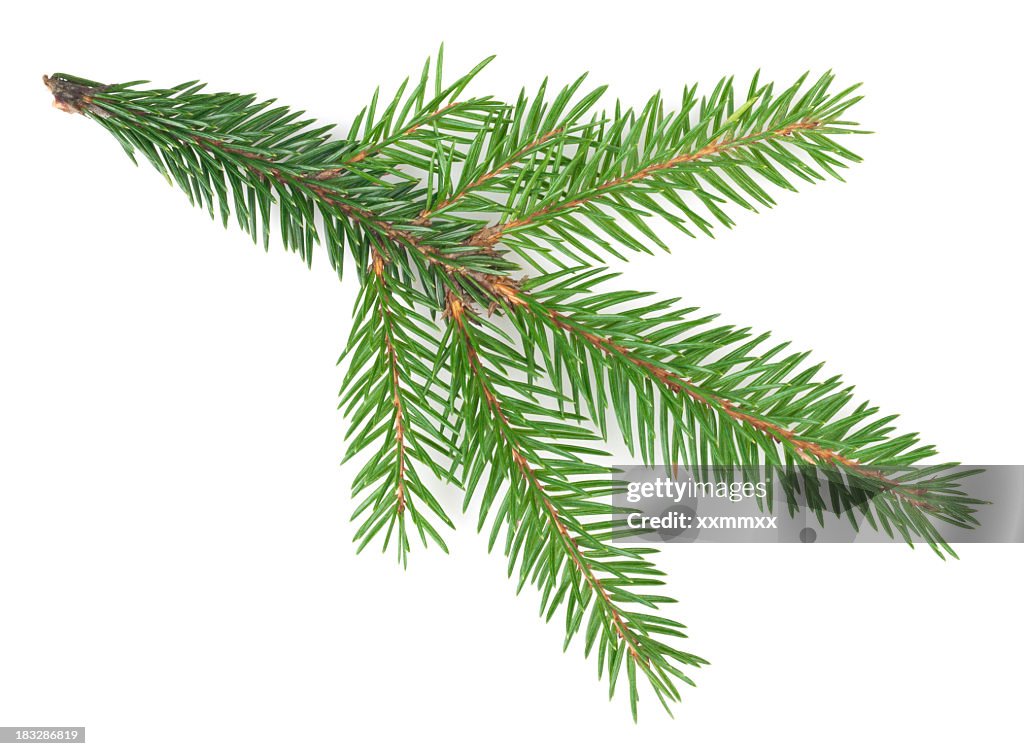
point(389, 346)
point(456, 311)
point(809, 451)
point(490, 235)
point(500, 288)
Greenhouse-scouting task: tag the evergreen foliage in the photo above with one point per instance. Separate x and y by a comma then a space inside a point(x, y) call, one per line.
point(488, 351)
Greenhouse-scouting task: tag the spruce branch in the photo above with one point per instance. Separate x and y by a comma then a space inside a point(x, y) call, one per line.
point(388, 359)
point(743, 400)
point(487, 351)
point(557, 526)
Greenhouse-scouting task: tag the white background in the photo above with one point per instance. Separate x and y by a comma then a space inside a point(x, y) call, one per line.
point(176, 571)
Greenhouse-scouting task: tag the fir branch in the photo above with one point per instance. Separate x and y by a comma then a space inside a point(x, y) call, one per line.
point(452, 204)
point(387, 398)
point(656, 359)
point(556, 485)
point(620, 165)
point(418, 120)
point(491, 235)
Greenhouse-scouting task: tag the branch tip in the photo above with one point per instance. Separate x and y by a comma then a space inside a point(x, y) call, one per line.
point(71, 95)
